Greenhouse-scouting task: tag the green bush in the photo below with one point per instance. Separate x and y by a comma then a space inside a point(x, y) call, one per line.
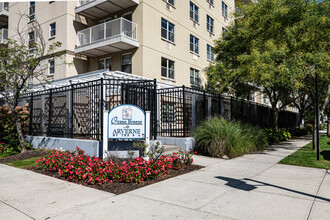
point(300, 131)
point(274, 136)
point(217, 137)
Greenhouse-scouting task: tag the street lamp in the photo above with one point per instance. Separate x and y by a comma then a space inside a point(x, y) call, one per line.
point(317, 114)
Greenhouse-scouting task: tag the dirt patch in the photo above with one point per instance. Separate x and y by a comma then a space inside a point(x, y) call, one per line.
point(23, 156)
point(119, 188)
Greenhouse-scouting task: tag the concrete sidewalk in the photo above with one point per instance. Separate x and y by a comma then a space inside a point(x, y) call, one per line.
point(249, 187)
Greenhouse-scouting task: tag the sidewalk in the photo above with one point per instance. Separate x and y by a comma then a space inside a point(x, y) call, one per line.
point(248, 187)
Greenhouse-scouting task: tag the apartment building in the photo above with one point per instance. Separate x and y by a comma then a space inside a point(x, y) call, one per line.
point(3, 21)
point(169, 40)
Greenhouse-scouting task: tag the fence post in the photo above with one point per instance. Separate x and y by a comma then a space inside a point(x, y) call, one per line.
point(42, 130)
point(101, 110)
point(242, 110)
point(209, 107)
point(31, 114)
point(193, 111)
point(204, 102)
point(219, 105)
point(155, 110)
point(49, 111)
point(71, 115)
point(231, 108)
point(184, 111)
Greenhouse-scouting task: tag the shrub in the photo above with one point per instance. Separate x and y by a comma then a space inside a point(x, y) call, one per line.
point(300, 131)
point(8, 132)
point(274, 136)
point(76, 166)
point(217, 137)
point(155, 151)
point(3, 147)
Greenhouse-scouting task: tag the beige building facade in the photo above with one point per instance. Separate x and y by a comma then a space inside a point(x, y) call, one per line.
point(167, 40)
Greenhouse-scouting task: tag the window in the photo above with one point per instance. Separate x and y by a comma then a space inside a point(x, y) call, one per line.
point(51, 66)
point(30, 80)
point(52, 28)
point(31, 42)
point(209, 24)
point(210, 2)
point(171, 2)
point(193, 12)
point(168, 112)
point(5, 6)
point(167, 68)
point(167, 30)
point(224, 10)
point(194, 44)
point(210, 55)
point(224, 30)
point(265, 99)
point(32, 11)
point(194, 77)
point(126, 63)
point(104, 64)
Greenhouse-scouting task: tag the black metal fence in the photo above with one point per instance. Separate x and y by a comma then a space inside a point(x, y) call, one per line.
point(182, 109)
point(76, 111)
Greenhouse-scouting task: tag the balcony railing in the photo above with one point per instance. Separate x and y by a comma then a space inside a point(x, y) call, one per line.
point(4, 7)
point(3, 35)
point(99, 9)
point(107, 30)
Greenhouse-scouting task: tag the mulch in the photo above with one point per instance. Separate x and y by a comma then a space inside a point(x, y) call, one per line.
point(118, 187)
point(23, 156)
point(114, 187)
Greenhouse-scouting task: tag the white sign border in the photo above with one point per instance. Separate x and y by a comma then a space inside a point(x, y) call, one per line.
point(145, 121)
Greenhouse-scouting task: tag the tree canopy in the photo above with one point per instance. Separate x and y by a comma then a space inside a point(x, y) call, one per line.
point(271, 48)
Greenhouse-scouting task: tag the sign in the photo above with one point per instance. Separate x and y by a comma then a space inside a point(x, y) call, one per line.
point(126, 122)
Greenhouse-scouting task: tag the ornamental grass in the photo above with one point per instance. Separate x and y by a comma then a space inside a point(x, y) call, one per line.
point(218, 137)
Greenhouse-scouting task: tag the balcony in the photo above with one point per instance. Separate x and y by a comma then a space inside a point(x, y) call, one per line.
point(109, 37)
point(3, 35)
point(3, 14)
point(96, 9)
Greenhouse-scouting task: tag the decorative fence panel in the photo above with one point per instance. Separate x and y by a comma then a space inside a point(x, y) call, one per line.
point(189, 107)
point(75, 111)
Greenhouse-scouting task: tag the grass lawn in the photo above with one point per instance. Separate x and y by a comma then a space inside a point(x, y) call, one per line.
point(306, 156)
point(24, 164)
point(8, 153)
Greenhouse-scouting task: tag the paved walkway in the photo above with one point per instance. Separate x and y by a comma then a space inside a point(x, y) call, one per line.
point(248, 187)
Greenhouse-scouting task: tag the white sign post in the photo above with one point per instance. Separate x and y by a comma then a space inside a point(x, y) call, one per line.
point(105, 133)
point(125, 122)
point(147, 130)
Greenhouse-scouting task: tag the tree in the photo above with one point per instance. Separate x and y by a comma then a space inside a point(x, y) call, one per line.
point(302, 101)
point(21, 59)
point(270, 48)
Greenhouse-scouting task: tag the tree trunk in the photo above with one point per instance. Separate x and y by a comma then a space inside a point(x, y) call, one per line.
point(301, 116)
point(275, 118)
point(19, 132)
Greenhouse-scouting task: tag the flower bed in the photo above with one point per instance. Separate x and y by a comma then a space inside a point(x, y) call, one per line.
point(78, 167)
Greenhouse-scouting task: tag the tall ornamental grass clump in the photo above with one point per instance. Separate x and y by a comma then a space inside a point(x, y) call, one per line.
point(217, 137)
